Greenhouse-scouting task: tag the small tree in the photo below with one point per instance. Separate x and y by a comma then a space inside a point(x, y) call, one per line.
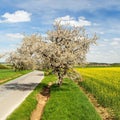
point(25, 56)
point(19, 61)
point(67, 47)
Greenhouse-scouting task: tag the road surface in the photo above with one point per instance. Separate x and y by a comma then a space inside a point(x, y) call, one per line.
point(14, 92)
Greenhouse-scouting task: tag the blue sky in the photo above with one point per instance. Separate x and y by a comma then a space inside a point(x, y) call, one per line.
point(33, 16)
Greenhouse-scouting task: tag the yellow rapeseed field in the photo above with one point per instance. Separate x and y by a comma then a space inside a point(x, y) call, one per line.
point(104, 84)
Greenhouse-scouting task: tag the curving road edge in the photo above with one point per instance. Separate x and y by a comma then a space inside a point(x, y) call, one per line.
point(13, 93)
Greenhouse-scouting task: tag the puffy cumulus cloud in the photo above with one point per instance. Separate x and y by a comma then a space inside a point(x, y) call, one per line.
point(17, 16)
point(15, 35)
point(72, 21)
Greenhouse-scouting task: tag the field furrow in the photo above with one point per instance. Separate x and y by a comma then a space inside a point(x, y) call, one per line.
point(104, 84)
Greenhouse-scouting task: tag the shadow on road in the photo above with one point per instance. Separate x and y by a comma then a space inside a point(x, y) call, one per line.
point(21, 87)
point(40, 74)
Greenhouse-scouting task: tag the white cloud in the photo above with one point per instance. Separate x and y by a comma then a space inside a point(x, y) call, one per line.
point(101, 32)
point(116, 39)
point(73, 22)
point(106, 51)
point(73, 5)
point(17, 16)
point(105, 55)
point(106, 40)
point(4, 50)
point(96, 24)
point(15, 35)
point(115, 42)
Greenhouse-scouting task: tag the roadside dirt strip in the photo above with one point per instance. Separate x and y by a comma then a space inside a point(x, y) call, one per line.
point(13, 93)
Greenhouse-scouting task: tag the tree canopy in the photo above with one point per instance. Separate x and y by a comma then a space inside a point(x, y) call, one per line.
point(61, 49)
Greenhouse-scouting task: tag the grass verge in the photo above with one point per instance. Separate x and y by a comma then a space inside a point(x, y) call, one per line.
point(66, 103)
point(8, 74)
point(69, 103)
point(24, 111)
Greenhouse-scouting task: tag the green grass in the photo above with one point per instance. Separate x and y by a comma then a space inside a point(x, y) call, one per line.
point(104, 84)
point(23, 112)
point(69, 103)
point(66, 103)
point(9, 74)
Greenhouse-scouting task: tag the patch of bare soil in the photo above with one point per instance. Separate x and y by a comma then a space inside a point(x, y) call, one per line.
point(42, 99)
point(101, 110)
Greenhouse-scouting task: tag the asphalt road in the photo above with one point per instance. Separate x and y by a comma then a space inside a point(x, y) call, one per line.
point(13, 93)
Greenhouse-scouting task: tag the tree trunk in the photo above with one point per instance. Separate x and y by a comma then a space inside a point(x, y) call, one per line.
point(60, 79)
point(60, 82)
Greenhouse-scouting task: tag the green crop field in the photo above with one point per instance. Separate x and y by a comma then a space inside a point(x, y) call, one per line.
point(8, 74)
point(104, 84)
